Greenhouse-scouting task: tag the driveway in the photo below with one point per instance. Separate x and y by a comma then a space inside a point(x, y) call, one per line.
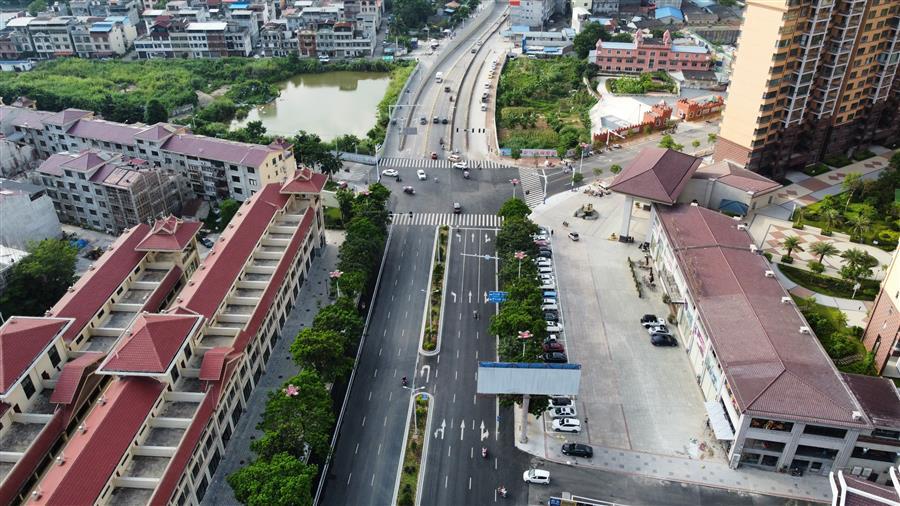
point(633, 395)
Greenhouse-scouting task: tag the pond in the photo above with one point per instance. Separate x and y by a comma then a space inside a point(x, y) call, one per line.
point(330, 104)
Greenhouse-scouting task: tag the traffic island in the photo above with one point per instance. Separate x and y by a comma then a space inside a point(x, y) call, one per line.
point(434, 307)
point(412, 465)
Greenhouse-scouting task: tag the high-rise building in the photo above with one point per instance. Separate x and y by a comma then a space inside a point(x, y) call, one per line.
point(812, 78)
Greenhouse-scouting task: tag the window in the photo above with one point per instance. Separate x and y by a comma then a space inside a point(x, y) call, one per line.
point(761, 423)
point(817, 430)
point(28, 386)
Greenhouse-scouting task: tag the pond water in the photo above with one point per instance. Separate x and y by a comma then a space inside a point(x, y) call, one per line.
point(330, 104)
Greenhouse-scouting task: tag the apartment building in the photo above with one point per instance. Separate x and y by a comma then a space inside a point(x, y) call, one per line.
point(169, 38)
point(773, 396)
point(113, 36)
point(275, 39)
point(149, 17)
point(49, 363)
point(158, 392)
point(344, 39)
point(108, 191)
point(811, 79)
point(86, 37)
point(26, 214)
point(534, 14)
point(128, 9)
point(213, 168)
point(882, 334)
point(649, 55)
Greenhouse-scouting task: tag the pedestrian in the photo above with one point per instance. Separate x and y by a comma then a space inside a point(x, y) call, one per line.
point(551, 232)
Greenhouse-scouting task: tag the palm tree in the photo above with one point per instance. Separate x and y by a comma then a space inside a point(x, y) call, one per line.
point(832, 217)
point(860, 224)
point(823, 249)
point(791, 243)
point(852, 182)
point(857, 264)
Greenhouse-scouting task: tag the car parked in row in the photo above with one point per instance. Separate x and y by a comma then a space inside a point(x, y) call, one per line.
point(578, 450)
point(555, 357)
point(563, 412)
point(566, 425)
point(663, 340)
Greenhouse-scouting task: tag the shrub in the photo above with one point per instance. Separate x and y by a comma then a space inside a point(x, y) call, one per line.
point(815, 266)
point(768, 256)
point(837, 160)
point(786, 259)
point(841, 345)
point(863, 155)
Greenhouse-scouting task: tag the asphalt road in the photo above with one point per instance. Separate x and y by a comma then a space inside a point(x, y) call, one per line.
point(462, 421)
point(632, 490)
point(369, 446)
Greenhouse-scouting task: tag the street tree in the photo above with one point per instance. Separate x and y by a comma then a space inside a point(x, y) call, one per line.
point(341, 317)
point(36, 7)
point(669, 143)
point(321, 350)
point(514, 208)
point(516, 235)
point(227, 209)
point(284, 480)
point(40, 279)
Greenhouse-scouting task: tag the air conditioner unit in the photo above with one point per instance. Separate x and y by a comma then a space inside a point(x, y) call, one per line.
point(60, 460)
point(753, 248)
point(37, 494)
point(742, 226)
point(102, 400)
point(804, 330)
point(786, 300)
point(82, 428)
point(856, 415)
point(770, 274)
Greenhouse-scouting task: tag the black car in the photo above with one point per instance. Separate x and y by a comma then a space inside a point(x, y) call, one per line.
point(559, 402)
point(552, 316)
point(545, 253)
point(444, 121)
point(555, 357)
point(663, 340)
point(206, 242)
point(651, 319)
point(423, 121)
point(578, 450)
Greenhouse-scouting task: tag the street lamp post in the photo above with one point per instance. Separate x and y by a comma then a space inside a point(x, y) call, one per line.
point(515, 183)
point(520, 255)
point(336, 276)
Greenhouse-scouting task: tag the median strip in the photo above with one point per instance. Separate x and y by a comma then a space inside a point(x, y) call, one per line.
point(437, 283)
point(412, 467)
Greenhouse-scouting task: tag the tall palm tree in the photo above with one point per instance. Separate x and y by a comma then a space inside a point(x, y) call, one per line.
point(860, 224)
point(823, 249)
point(791, 244)
point(857, 264)
point(832, 217)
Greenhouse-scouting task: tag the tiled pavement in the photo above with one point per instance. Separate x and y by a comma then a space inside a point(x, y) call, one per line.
point(313, 295)
point(776, 234)
point(811, 190)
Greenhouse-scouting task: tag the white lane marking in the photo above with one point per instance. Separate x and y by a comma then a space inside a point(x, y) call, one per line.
point(475, 399)
point(454, 399)
point(364, 422)
point(379, 448)
point(448, 449)
point(455, 375)
point(405, 316)
point(372, 484)
point(376, 372)
point(476, 354)
point(379, 351)
point(390, 396)
point(470, 482)
point(446, 479)
point(400, 348)
point(385, 421)
point(472, 452)
point(351, 476)
point(356, 451)
point(370, 395)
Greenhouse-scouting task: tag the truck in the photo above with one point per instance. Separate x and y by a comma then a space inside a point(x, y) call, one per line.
point(439, 77)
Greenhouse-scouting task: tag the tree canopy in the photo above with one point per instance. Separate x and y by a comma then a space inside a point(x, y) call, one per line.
point(586, 40)
point(284, 480)
point(321, 350)
point(155, 112)
point(40, 279)
point(514, 208)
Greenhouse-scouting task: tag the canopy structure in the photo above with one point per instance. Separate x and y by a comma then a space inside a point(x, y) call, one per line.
point(718, 421)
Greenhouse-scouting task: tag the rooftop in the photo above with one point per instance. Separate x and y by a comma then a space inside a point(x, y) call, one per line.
point(22, 340)
point(878, 398)
point(151, 344)
point(738, 177)
point(772, 368)
point(169, 234)
point(656, 174)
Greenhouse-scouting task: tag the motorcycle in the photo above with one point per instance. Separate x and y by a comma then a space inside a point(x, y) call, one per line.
point(466, 174)
point(404, 381)
point(502, 491)
point(484, 452)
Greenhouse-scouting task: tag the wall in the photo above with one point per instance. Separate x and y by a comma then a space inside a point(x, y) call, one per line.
point(15, 158)
point(24, 220)
point(884, 320)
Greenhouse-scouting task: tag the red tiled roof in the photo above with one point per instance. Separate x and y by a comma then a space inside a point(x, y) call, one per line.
point(66, 116)
point(305, 181)
point(151, 344)
point(656, 174)
point(169, 234)
point(92, 457)
point(251, 155)
point(84, 161)
point(771, 367)
point(22, 340)
point(95, 287)
point(737, 177)
point(156, 132)
point(209, 285)
point(878, 398)
point(105, 131)
point(53, 165)
point(850, 492)
point(69, 379)
point(213, 362)
point(23, 117)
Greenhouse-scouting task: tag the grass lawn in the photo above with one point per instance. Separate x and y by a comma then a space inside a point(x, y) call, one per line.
point(543, 104)
point(816, 169)
point(880, 230)
point(828, 285)
point(333, 218)
point(839, 340)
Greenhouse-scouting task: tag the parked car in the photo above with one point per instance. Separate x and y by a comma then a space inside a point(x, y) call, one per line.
point(390, 173)
point(551, 316)
point(549, 300)
point(567, 425)
point(559, 402)
point(206, 242)
point(423, 121)
point(548, 285)
point(578, 450)
point(435, 120)
point(551, 346)
point(554, 327)
point(546, 276)
point(659, 329)
point(484, 107)
point(421, 175)
point(543, 262)
point(574, 236)
point(564, 412)
point(444, 121)
point(541, 237)
point(651, 320)
point(536, 476)
point(663, 340)
point(555, 357)
point(446, 89)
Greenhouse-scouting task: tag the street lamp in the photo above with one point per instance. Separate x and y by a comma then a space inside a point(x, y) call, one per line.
point(584, 146)
point(524, 335)
point(336, 275)
point(514, 182)
point(520, 255)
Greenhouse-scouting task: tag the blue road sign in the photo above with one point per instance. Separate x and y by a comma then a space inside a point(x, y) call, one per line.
point(496, 297)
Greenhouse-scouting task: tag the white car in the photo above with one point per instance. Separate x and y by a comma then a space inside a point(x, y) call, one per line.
point(659, 329)
point(421, 175)
point(549, 300)
point(484, 107)
point(536, 476)
point(554, 327)
point(566, 425)
point(487, 86)
point(461, 165)
point(563, 412)
point(541, 237)
point(546, 276)
point(390, 173)
point(545, 269)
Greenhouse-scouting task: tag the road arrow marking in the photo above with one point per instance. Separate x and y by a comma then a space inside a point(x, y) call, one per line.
point(470, 296)
point(454, 296)
point(462, 429)
point(484, 433)
point(441, 429)
point(426, 371)
point(485, 298)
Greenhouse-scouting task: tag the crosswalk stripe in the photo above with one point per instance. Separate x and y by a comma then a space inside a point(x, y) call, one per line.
point(532, 187)
point(453, 220)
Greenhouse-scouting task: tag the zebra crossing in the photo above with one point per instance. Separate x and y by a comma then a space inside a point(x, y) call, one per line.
point(532, 187)
point(427, 163)
point(453, 220)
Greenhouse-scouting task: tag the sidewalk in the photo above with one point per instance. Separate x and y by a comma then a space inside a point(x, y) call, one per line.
point(279, 368)
point(688, 470)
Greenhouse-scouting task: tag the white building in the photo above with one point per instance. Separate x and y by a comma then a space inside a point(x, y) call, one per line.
point(26, 214)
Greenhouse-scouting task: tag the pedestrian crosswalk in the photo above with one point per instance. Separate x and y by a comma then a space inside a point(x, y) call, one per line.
point(427, 163)
point(453, 220)
point(532, 187)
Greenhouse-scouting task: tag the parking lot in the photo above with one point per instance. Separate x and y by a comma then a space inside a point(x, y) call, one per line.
point(633, 395)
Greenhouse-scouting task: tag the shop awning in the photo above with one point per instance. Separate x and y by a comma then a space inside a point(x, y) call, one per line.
point(718, 420)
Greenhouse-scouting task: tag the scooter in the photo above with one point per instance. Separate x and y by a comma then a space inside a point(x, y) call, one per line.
point(502, 491)
point(466, 174)
point(484, 452)
point(404, 381)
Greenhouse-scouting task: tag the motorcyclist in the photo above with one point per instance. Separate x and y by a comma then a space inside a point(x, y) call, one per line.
point(404, 381)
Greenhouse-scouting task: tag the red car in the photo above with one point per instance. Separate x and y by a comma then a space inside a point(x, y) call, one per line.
point(433, 155)
point(554, 346)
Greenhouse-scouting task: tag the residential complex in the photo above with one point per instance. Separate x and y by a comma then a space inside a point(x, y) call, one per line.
point(649, 55)
point(213, 168)
point(535, 14)
point(129, 390)
point(110, 192)
point(207, 39)
point(882, 334)
point(811, 79)
point(51, 37)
